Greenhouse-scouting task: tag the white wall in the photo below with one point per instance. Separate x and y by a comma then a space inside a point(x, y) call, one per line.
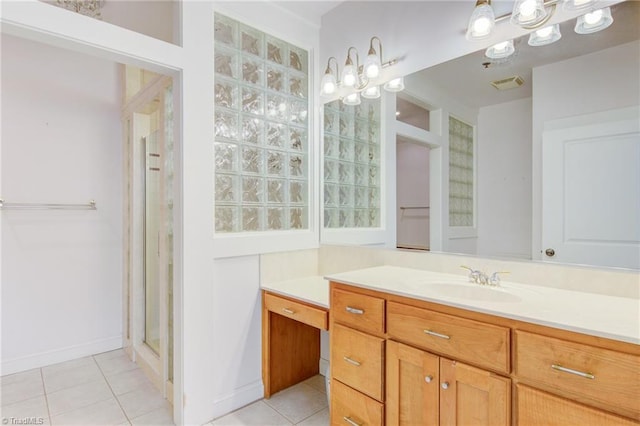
point(412, 191)
point(504, 179)
point(601, 81)
point(61, 143)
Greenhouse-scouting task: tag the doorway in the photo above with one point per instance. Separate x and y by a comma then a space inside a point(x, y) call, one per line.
point(148, 280)
point(412, 195)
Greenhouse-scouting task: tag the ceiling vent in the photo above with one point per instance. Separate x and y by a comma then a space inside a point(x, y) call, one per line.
point(508, 83)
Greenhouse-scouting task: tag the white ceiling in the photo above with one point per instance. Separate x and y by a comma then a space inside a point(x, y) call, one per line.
point(467, 79)
point(310, 10)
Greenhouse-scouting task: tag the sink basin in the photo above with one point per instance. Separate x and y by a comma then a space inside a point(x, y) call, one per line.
point(474, 292)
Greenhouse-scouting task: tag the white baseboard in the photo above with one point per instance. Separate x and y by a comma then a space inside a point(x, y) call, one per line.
point(42, 359)
point(324, 366)
point(238, 399)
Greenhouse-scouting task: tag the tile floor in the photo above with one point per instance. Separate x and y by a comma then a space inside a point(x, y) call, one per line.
point(108, 389)
point(304, 404)
point(105, 389)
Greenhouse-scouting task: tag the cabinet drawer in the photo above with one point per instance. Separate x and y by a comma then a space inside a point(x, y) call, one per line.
point(539, 408)
point(582, 371)
point(357, 360)
point(482, 344)
point(349, 407)
point(314, 317)
point(362, 312)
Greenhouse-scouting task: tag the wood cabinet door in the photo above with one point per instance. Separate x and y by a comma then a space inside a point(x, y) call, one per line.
point(540, 408)
point(412, 386)
point(471, 396)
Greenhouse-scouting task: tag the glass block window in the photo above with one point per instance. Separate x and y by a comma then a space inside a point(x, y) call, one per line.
point(460, 173)
point(352, 165)
point(261, 131)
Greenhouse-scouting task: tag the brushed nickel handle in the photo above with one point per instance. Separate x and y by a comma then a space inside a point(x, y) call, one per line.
point(352, 361)
point(355, 311)
point(433, 333)
point(572, 371)
point(445, 385)
point(428, 378)
point(351, 421)
point(288, 311)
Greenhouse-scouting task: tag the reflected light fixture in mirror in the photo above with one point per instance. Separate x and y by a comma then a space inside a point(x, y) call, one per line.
point(544, 36)
point(594, 21)
point(528, 12)
point(356, 79)
point(482, 21)
point(501, 50)
point(578, 4)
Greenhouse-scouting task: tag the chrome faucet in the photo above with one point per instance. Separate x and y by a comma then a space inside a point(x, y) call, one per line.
point(478, 277)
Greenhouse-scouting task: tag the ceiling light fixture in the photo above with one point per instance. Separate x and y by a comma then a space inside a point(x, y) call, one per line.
point(578, 4)
point(356, 79)
point(482, 21)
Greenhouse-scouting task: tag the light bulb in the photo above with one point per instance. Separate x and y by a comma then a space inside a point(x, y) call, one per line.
point(372, 92)
point(352, 99)
point(500, 50)
point(594, 17)
point(594, 21)
point(544, 32)
point(527, 10)
point(372, 66)
point(328, 84)
point(482, 25)
point(349, 76)
point(481, 22)
point(395, 85)
point(501, 47)
point(544, 36)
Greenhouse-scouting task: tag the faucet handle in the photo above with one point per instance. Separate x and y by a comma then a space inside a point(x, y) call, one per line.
point(494, 279)
point(474, 274)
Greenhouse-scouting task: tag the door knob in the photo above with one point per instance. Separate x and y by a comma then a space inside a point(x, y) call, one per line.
point(428, 379)
point(550, 252)
point(445, 385)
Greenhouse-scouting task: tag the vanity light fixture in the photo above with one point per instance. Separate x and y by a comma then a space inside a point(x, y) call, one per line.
point(578, 4)
point(544, 36)
point(501, 50)
point(356, 79)
point(482, 21)
point(534, 14)
point(594, 21)
point(528, 13)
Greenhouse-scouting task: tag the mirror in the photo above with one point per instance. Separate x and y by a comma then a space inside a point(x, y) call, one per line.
point(557, 156)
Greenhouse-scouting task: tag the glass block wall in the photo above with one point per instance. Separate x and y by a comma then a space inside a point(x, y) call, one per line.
point(352, 165)
point(261, 131)
point(460, 173)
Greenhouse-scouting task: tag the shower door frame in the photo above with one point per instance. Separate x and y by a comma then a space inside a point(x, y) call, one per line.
point(155, 366)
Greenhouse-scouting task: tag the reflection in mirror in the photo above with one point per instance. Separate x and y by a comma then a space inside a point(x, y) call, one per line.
point(556, 148)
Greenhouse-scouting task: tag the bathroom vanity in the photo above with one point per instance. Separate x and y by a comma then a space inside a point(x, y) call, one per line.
point(414, 347)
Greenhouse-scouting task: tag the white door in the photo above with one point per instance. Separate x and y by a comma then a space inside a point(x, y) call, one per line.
point(591, 189)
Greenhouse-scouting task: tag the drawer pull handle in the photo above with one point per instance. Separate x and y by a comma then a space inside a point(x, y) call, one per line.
point(355, 311)
point(572, 371)
point(288, 311)
point(433, 333)
point(351, 421)
point(428, 378)
point(352, 361)
point(445, 385)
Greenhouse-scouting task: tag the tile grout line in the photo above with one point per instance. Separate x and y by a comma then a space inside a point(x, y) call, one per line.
point(46, 397)
point(126, 416)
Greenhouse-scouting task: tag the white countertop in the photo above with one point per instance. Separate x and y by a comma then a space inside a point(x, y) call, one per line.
point(313, 289)
point(611, 317)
